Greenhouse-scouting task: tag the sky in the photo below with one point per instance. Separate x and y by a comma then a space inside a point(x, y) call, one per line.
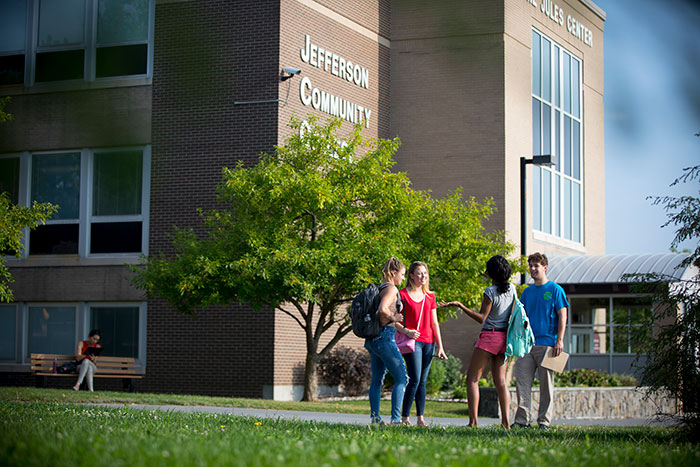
point(652, 113)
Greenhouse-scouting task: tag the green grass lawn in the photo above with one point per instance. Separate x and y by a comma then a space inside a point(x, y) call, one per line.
point(51, 427)
point(432, 409)
point(67, 434)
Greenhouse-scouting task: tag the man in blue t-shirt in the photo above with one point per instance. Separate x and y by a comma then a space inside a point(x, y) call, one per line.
point(545, 304)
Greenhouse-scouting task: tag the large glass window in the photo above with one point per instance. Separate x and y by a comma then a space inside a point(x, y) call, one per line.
point(52, 329)
point(60, 53)
point(8, 332)
point(74, 39)
point(119, 328)
point(602, 325)
point(13, 31)
point(588, 324)
point(57, 328)
point(56, 179)
point(122, 38)
point(9, 177)
point(556, 131)
point(101, 194)
point(631, 318)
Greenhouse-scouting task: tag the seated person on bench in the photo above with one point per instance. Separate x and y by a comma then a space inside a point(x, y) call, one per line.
point(86, 357)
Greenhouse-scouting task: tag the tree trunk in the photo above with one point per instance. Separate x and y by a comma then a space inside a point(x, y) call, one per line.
point(310, 383)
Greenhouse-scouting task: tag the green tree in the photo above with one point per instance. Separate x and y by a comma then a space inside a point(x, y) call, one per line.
point(673, 352)
point(13, 220)
point(4, 116)
point(311, 225)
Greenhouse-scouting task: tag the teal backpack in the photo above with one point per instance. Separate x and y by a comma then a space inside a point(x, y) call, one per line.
point(520, 337)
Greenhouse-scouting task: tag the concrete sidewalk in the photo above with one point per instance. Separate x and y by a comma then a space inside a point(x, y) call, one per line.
point(363, 419)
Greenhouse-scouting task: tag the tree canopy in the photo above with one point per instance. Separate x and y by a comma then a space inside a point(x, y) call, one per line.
point(311, 225)
point(672, 353)
point(13, 220)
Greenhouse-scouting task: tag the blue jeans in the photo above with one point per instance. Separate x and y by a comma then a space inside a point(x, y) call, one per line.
point(384, 355)
point(418, 366)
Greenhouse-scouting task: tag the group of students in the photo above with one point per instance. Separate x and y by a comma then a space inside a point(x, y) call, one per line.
point(402, 311)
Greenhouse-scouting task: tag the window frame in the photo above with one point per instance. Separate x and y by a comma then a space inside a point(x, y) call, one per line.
point(609, 325)
point(89, 46)
point(142, 320)
point(25, 320)
point(81, 329)
point(560, 208)
point(18, 327)
point(85, 216)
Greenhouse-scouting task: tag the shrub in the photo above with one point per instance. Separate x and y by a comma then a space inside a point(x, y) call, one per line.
point(347, 367)
point(453, 371)
point(459, 391)
point(436, 377)
point(587, 377)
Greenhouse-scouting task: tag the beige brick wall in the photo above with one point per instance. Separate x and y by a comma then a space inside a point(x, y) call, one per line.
point(447, 97)
point(520, 18)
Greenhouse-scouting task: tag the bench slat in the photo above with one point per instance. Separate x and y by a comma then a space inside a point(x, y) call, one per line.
point(97, 375)
point(107, 367)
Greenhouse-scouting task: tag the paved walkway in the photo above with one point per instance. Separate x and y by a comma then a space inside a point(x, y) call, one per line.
point(361, 419)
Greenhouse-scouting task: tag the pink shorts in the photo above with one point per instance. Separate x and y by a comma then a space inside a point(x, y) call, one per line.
point(493, 342)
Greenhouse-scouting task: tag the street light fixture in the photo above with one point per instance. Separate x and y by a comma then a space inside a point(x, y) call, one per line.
point(544, 160)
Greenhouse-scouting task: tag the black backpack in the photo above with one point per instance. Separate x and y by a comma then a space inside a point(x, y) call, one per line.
point(363, 312)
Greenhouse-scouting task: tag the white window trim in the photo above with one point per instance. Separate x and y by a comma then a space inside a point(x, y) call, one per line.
point(556, 215)
point(85, 217)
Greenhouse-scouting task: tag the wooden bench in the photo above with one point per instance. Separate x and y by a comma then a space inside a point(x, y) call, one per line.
point(42, 366)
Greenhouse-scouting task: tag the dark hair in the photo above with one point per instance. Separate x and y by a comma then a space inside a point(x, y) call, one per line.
point(537, 258)
point(498, 269)
point(95, 332)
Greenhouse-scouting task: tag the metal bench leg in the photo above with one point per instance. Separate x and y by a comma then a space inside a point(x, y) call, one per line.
point(128, 384)
point(42, 381)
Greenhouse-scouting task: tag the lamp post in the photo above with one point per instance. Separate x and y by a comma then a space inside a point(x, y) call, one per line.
point(546, 160)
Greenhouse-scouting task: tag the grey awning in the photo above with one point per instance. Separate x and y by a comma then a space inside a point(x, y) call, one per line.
point(609, 269)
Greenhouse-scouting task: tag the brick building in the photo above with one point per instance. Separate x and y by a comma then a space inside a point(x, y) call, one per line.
point(125, 113)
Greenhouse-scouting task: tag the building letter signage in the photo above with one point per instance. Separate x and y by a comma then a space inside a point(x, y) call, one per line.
point(338, 66)
point(556, 14)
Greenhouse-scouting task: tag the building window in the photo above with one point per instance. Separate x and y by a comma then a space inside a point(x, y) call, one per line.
point(56, 179)
point(9, 177)
point(13, 32)
point(630, 319)
point(8, 332)
point(588, 325)
point(50, 40)
point(557, 130)
point(51, 329)
point(102, 197)
point(119, 329)
point(117, 198)
point(122, 38)
point(57, 328)
point(605, 325)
